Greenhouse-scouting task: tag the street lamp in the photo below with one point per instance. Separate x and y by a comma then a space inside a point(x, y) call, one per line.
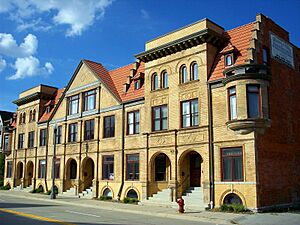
point(53, 195)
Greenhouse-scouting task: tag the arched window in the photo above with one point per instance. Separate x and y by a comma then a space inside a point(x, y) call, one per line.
point(228, 60)
point(73, 169)
point(160, 167)
point(21, 118)
point(232, 199)
point(40, 188)
point(33, 115)
point(154, 81)
point(164, 78)
point(183, 74)
point(107, 193)
point(132, 194)
point(194, 71)
point(30, 116)
point(24, 118)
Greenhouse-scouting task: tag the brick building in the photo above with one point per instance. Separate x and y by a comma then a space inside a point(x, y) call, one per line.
point(203, 113)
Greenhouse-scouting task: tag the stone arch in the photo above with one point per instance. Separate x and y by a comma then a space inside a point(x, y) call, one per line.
point(29, 173)
point(190, 170)
point(129, 192)
point(165, 68)
point(196, 59)
point(160, 167)
point(87, 172)
point(41, 187)
point(19, 173)
point(71, 171)
point(105, 192)
point(236, 192)
point(179, 65)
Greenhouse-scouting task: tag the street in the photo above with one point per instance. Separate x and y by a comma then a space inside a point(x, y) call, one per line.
point(22, 211)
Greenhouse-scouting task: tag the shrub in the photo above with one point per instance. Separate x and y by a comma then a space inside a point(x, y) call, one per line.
point(237, 208)
point(6, 187)
point(1, 182)
point(105, 198)
point(48, 192)
point(130, 200)
point(36, 191)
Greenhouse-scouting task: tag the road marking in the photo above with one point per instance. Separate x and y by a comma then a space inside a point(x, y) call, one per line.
point(84, 214)
point(31, 216)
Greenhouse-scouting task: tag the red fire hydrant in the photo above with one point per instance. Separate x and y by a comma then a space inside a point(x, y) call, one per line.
point(180, 202)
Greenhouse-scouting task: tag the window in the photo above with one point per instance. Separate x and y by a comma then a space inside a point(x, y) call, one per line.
point(24, 118)
point(56, 168)
point(160, 167)
point(73, 169)
point(30, 116)
point(137, 84)
point(58, 135)
point(189, 113)
point(132, 194)
point(159, 118)
point(108, 167)
point(232, 103)
point(48, 109)
point(33, 115)
point(253, 101)
point(73, 132)
point(6, 142)
point(265, 56)
point(154, 82)
point(194, 71)
point(73, 102)
point(88, 129)
point(232, 199)
point(31, 139)
point(132, 165)
point(42, 169)
point(133, 122)
point(232, 164)
point(228, 60)
point(20, 119)
point(43, 137)
point(9, 169)
point(21, 141)
point(183, 74)
point(109, 126)
point(89, 100)
point(164, 78)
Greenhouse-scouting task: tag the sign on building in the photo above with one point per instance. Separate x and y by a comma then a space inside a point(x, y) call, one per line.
point(282, 51)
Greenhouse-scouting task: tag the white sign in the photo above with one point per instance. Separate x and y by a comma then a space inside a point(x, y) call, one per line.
point(282, 51)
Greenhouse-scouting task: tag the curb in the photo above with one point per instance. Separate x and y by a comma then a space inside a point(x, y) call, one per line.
point(156, 214)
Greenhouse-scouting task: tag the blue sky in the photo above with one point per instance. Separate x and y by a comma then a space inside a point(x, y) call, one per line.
point(43, 41)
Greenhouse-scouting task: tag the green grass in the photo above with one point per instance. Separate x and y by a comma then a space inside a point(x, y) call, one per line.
point(130, 200)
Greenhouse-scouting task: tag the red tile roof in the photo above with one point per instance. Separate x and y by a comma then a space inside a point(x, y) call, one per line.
point(239, 38)
point(115, 80)
point(52, 102)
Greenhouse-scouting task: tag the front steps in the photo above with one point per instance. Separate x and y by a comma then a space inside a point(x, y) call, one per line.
point(69, 193)
point(193, 199)
point(21, 189)
point(87, 193)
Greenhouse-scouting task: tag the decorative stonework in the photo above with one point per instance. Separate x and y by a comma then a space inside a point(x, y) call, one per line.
point(161, 141)
point(190, 138)
point(159, 101)
point(188, 95)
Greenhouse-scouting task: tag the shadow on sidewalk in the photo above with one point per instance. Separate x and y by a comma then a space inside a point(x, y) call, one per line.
point(21, 205)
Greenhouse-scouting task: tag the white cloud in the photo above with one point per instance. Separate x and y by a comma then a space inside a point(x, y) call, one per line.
point(9, 46)
point(29, 67)
point(78, 15)
point(2, 64)
point(145, 14)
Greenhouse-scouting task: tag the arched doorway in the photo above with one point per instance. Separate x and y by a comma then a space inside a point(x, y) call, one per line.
point(190, 170)
point(72, 169)
point(29, 173)
point(162, 168)
point(19, 174)
point(87, 172)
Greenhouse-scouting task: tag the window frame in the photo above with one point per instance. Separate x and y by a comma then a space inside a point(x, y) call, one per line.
point(57, 168)
point(259, 100)
point(31, 139)
point(111, 132)
point(43, 137)
point(5, 142)
point(86, 96)
point(42, 169)
point(21, 140)
point(232, 164)
point(106, 174)
point(230, 55)
point(137, 84)
point(164, 79)
point(72, 136)
point(190, 114)
point(192, 71)
point(133, 163)
point(154, 78)
point(135, 123)
point(160, 118)
point(229, 95)
point(182, 67)
point(58, 138)
point(72, 99)
point(9, 168)
point(89, 134)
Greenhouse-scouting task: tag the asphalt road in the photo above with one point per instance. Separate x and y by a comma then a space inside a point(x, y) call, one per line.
point(14, 211)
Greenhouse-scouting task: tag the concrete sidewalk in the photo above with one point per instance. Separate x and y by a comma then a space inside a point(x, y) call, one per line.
point(201, 216)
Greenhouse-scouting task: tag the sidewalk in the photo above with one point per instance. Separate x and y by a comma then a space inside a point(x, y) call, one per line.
point(204, 216)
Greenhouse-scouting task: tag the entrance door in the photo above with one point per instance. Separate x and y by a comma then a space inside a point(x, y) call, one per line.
point(195, 170)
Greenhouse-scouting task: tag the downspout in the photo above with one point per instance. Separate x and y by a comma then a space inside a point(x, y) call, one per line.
point(211, 147)
point(123, 154)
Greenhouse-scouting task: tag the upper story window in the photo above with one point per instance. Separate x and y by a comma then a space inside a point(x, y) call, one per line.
point(89, 130)
point(24, 118)
point(232, 164)
point(253, 101)
point(43, 137)
point(160, 118)
point(229, 59)
point(57, 168)
point(58, 135)
point(108, 167)
point(183, 74)
point(42, 168)
point(133, 167)
point(31, 139)
point(164, 79)
point(30, 116)
point(89, 100)
point(137, 84)
point(232, 110)
point(194, 71)
point(155, 85)
point(265, 54)
point(6, 142)
point(21, 118)
point(73, 103)
point(9, 167)
point(189, 113)
point(48, 109)
point(109, 126)
point(33, 115)
point(133, 122)
point(21, 141)
point(72, 132)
